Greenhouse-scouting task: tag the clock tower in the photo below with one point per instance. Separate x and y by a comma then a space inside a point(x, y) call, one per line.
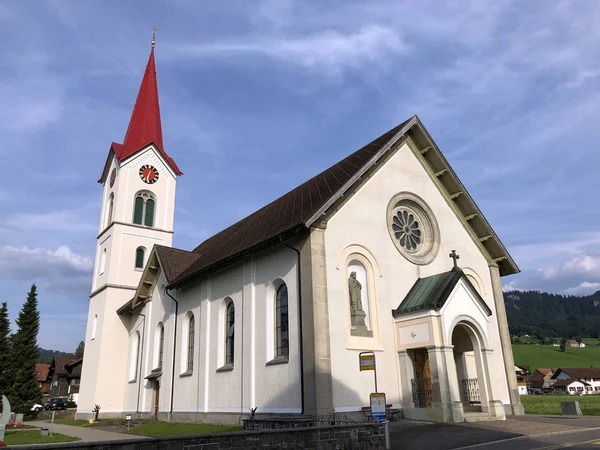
point(137, 210)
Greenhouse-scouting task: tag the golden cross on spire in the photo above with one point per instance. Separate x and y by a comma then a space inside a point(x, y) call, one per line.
point(154, 30)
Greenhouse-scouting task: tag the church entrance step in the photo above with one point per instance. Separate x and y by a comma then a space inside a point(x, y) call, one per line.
point(478, 417)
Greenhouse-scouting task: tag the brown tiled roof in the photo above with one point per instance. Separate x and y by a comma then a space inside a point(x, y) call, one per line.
point(289, 212)
point(174, 261)
point(42, 370)
point(60, 361)
point(579, 372)
point(565, 383)
point(543, 371)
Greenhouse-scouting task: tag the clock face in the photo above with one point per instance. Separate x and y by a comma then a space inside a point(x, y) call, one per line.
point(113, 176)
point(148, 174)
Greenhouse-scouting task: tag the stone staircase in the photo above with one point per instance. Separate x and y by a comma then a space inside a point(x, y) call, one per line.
point(478, 417)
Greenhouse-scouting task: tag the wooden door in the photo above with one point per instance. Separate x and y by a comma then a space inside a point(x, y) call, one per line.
point(156, 395)
point(422, 388)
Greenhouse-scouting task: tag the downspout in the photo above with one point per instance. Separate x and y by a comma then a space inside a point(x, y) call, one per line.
point(174, 352)
point(300, 346)
point(242, 352)
point(137, 410)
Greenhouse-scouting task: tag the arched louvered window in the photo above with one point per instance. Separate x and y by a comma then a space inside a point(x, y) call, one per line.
point(161, 344)
point(138, 211)
point(135, 355)
point(149, 216)
point(229, 333)
point(139, 258)
point(144, 209)
point(110, 209)
point(281, 321)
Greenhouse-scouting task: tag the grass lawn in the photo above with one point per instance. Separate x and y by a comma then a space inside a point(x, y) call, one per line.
point(33, 437)
point(181, 429)
point(550, 404)
point(536, 356)
point(69, 422)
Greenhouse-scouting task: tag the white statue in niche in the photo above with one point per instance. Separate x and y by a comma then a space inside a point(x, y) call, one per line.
point(358, 295)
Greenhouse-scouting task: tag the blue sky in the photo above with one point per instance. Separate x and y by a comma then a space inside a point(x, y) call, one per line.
point(257, 97)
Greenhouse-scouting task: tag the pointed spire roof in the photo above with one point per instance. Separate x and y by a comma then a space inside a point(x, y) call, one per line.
point(145, 126)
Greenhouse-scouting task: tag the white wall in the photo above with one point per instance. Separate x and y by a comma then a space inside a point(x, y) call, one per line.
point(362, 222)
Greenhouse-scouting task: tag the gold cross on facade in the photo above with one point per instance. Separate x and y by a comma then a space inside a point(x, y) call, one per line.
point(154, 30)
point(455, 257)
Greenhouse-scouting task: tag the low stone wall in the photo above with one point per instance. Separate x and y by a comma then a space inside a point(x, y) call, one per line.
point(362, 436)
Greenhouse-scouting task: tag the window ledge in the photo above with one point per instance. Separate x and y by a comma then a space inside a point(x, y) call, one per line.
point(133, 381)
point(278, 360)
point(225, 368)
point(187, 373)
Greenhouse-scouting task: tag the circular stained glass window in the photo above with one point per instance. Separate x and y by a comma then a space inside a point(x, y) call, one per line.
point(413, 228)
point(406, 229)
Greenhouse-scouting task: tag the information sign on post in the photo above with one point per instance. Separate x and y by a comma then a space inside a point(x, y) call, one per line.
point(378, 407)
point(367, 362)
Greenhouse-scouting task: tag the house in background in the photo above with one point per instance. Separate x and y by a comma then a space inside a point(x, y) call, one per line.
point(64, 374)
point(521, 373)
point(541, 379)
point(42, 371)
point(581, 380)
point(572, 343)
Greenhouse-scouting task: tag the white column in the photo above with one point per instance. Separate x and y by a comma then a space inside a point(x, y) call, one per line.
point(453, 384)
point(406, 374)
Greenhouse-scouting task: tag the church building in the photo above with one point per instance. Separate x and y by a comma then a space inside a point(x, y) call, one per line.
point(383, 252)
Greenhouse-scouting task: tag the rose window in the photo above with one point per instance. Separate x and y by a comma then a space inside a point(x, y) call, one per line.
point(406, 229)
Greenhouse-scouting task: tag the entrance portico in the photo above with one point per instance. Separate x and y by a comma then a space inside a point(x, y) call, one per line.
point(441, 338)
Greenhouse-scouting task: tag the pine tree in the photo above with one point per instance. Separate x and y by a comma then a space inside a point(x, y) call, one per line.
point(79, 350)
point(4, 350)
point(24, 355)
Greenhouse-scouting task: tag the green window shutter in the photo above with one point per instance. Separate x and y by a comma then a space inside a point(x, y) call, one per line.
point(149, 219)
point(139, 258)
point(138, 210)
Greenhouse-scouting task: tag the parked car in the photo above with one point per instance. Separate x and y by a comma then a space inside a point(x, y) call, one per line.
point(56, 403)
point(37, 407)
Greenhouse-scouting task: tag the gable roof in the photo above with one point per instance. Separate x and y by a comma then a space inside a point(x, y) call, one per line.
point(544, 372)
point(579, 372)
point(432, 293)
point(42, 371)
point(59, 362)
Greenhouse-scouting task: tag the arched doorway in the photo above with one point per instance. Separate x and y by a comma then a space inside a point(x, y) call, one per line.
point(471, 368)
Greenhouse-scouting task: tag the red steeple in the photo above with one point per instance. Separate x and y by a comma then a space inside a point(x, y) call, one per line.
point(144, 126)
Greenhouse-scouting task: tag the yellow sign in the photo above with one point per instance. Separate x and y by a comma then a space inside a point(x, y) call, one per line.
point(367, 361)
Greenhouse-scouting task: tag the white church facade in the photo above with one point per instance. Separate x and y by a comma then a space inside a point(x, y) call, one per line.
point(385, 251)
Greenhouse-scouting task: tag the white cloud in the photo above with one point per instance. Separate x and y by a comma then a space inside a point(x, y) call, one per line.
point(38, 263)
point(65, 220)
point(329, 50)
point(580, 265)
point(584, 288)
point(510, 286)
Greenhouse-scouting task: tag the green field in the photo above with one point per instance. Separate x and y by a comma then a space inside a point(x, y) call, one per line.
point(536, 356)
point(33, 437)
point(550, 404)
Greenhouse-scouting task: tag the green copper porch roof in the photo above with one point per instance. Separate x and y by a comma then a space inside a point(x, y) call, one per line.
point(432, 292)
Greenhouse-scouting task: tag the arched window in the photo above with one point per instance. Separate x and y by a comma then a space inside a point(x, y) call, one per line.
point(229, 333)
point(281, 322)
point(135, 354)
point(190, 342)
point(110, 209)
point(161, 344)
point(143, 209)
point(103, 262)
point(139, 258)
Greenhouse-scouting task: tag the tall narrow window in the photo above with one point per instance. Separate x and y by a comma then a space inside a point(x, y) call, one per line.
point(103, 262)
point(149, 216)
point(191, 334)
point(110, 209)
point(281, 321)
point(139, 258)
point(94, 326)
point(138, 210)
point(135, 355)
point(161, 344)
point(229, 330)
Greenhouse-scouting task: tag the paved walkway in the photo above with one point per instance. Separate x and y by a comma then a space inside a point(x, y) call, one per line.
point(88, 434)
point(516, 433)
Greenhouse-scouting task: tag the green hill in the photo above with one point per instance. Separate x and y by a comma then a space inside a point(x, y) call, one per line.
point(546, 356)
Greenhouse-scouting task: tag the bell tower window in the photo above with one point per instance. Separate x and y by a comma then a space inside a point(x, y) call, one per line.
point(143, 209)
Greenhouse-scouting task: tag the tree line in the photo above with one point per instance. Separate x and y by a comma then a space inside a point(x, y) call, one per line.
point(19, 355)
point(544, 315)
